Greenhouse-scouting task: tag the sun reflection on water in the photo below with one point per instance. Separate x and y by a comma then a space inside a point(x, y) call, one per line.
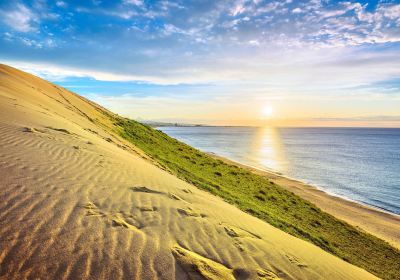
point(267, 149)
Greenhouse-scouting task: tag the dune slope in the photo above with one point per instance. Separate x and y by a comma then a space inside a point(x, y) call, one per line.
point(79, 202)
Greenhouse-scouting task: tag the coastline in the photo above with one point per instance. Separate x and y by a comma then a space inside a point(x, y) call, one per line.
point(373, 220)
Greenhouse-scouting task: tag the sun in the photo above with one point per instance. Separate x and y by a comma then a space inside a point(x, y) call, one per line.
point(267, 111)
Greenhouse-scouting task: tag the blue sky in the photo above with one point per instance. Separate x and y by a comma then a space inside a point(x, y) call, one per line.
point(214, 61)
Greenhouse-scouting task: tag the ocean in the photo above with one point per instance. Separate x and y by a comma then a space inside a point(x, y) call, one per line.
point(360, 164)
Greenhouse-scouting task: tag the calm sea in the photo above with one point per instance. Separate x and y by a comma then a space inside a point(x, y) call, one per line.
point(361, 164)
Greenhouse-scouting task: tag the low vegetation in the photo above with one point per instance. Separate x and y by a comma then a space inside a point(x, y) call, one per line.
point(264, 199)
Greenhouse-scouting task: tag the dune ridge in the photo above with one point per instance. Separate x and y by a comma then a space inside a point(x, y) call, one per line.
point(80, 202)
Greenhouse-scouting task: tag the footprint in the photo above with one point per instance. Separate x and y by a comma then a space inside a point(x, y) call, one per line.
point(63, 130)
point(187, 191)
point(238, 232)
point(91, 130)
point(117, 219)
point(199, 267)
point(148, 208)
point(28, 129)
point(174, 196)
point(232, 232)
point(120, 221)
point(189, 212)
point(90, 205)
point(92, 210)
point(295, 261)
point(266, 274)
point(239, 245)
point(32, 130)
point(145, 190)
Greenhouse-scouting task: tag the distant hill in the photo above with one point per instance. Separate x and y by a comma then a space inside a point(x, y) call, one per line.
point(162, 124)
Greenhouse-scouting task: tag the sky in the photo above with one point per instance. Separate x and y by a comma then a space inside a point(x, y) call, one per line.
point(243, 62)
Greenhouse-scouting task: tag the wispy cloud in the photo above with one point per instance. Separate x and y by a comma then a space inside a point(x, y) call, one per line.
point(61, 4)
point(263, 49)
point(133, 2)
point(20, 18)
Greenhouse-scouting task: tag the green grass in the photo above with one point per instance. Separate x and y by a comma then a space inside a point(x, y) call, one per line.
point(259, 197)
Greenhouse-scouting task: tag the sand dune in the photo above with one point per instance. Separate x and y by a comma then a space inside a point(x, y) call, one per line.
point(78, 202)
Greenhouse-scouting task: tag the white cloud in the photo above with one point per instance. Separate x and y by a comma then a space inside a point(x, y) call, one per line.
point(270, 7)
point(283, 70)
point(297, 11)
point(38, 44)
point(8, 36)
point(238, 9)
point(61, 4)
point(254, 43)
point(20, 18)
point(125, 14)
point(56, 73)
point(31, 43)
point(347, 24)
point(331, 13)
point(391, 12)
point(172, 29)
point(166, 5)
point(121, 13)
point(134, 2)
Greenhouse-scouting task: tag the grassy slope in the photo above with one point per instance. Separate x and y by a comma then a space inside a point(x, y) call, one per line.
point(265, 200)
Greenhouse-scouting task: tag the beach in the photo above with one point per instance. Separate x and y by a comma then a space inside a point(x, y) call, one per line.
point(383, 224)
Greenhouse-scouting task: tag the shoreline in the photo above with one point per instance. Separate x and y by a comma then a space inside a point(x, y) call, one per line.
point(301, 181)
point(376, 221)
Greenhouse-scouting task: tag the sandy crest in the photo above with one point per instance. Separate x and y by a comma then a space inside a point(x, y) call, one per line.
point(78, 202)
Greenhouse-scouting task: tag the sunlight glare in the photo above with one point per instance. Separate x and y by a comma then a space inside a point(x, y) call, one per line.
point(267, 111)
